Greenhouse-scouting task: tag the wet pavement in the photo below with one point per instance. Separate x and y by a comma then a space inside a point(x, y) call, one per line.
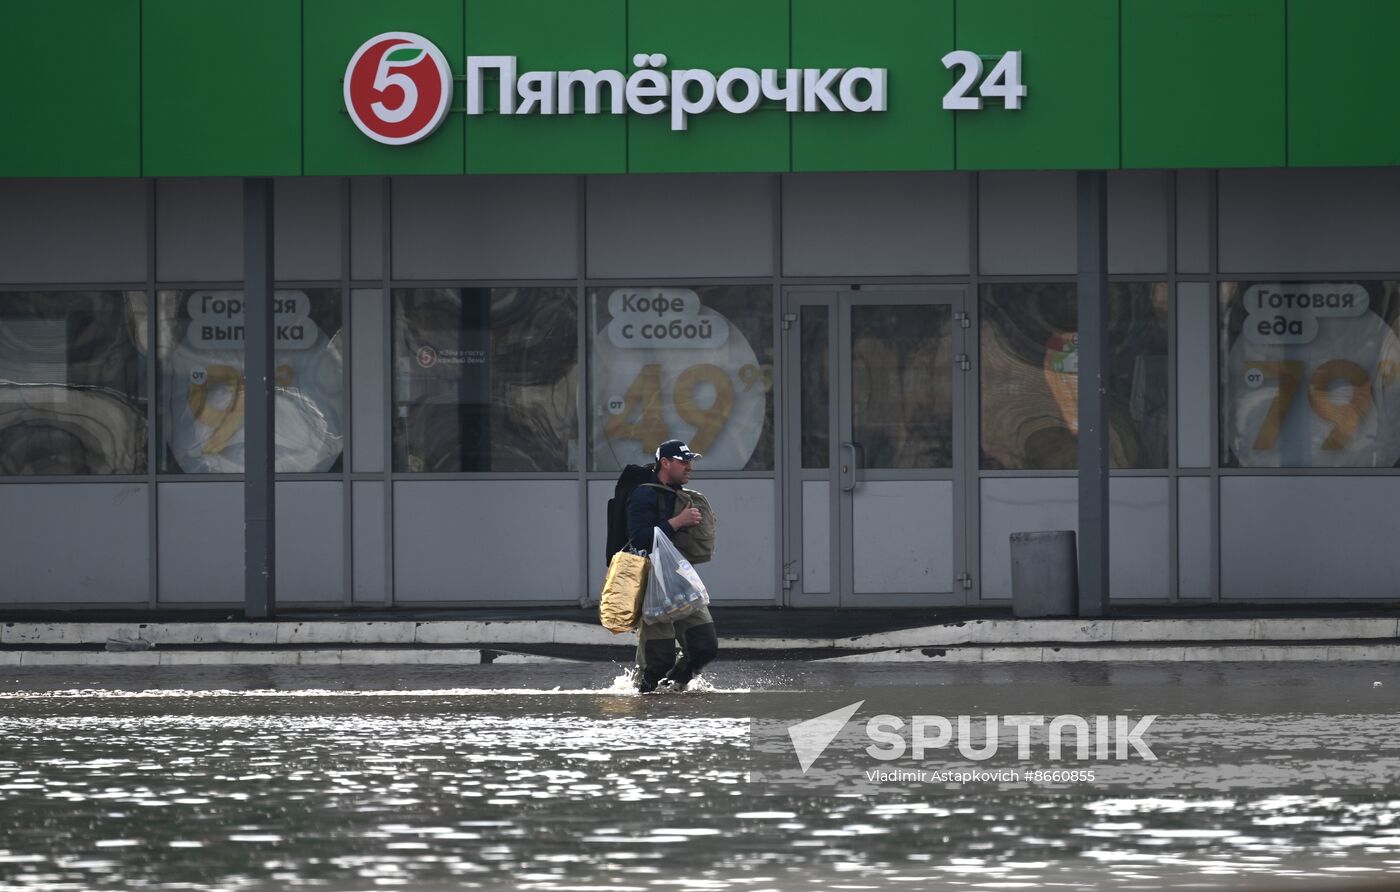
point(556, 777)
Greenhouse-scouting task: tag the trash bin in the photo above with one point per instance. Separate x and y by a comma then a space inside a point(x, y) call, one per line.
point(1044, 574)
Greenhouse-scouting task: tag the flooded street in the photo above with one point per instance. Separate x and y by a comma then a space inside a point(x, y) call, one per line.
point(555, 777)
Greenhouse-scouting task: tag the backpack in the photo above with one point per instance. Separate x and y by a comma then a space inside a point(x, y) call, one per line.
point(697, 543)
point(631, 477)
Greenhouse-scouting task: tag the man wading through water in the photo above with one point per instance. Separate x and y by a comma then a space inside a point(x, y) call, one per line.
point(654, 506)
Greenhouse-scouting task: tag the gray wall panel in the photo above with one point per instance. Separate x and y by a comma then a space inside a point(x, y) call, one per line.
point(486, 540)
point(1139, 551)
point(369, 331)
point(1193, 221)
point(307, 227)
point(369, 573)
point(72, 231)
point(875, 224)
point(1193, 375)
point(1309, 221)
point(1137, 221)
point(199, 230)
point(1193, 534)
point(902, 534)
point(485, 227)
point(746, 551)
point(1026, 223)
point(1309, 537)
point(201, 542)
point(815, 570)
point(75, 542)
point(367, 227)
point(1140, 547)
point(746, 558)
point(673, 226)
point(599, 491)
point(1017, 505)
point(310, 541)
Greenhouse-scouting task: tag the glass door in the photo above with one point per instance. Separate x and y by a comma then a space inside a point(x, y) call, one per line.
point(875, 482)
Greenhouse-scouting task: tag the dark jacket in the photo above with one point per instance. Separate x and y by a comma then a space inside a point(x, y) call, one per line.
point(649, 507)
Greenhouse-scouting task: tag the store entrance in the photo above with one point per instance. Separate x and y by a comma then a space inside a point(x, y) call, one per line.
point(876, 450)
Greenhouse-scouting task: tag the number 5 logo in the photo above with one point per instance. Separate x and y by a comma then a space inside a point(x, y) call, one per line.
point(397, 88)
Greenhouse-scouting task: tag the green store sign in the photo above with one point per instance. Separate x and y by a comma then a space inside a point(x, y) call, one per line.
point(759, 86)
point(398, 88)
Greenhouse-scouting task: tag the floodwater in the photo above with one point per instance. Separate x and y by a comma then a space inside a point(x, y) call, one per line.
point(555, 777)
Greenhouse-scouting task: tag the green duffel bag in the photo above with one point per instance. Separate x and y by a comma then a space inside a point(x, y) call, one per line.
point(697, 543)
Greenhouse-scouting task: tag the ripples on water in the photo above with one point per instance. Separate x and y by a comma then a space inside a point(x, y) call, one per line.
point(569, 788)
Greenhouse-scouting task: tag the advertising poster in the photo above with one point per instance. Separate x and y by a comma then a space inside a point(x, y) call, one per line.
point(1309, 375)
point(668, 363)
point(206, 391)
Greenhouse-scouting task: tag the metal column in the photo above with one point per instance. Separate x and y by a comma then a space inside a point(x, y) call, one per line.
point(1092, 189)
point(259, 493)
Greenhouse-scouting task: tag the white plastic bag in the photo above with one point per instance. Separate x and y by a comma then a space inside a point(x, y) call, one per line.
point(674, 590)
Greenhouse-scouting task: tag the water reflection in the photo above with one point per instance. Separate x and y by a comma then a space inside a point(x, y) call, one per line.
point(543, 786)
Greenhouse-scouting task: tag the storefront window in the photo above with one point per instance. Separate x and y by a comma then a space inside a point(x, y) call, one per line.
point(1029, 376)
point(200, 339)
point(901, 385)
point(815, 388)
point(485, 379)
point(73, 382)
point(1307, 374)
point(694, 363)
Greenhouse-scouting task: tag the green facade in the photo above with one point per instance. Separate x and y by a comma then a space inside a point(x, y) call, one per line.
point(82, 118)
point(1204, 83)
point(253, 88)
point(1070, 115)
point(211, 71)
point(717, 35)
point(908, 37)
point(1341, 82)
point(544, 34)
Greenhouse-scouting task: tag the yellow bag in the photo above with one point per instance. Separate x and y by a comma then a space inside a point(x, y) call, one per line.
point(620, 607)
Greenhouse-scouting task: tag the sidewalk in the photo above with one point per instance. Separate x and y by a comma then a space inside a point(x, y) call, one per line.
point(484, 635)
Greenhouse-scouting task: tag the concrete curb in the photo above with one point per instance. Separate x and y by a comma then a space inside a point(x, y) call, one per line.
point(410, 656)
point(470, 633)
point(1100, 631)
point(1147, 653)
point(272, 657)
point(457, 633)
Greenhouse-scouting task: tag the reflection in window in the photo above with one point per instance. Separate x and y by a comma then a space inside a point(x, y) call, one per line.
point(485, 379)
point(1310, 374)
point(1029, 376)
point(902, 386)
point(816, 387)
point(73, 382)
point(200, 340)
point(694, 363)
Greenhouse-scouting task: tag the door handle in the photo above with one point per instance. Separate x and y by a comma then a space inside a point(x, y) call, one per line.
point(848, 471)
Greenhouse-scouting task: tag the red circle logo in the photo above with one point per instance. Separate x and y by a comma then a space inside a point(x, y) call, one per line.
point(427, 357)
point(397, 88)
